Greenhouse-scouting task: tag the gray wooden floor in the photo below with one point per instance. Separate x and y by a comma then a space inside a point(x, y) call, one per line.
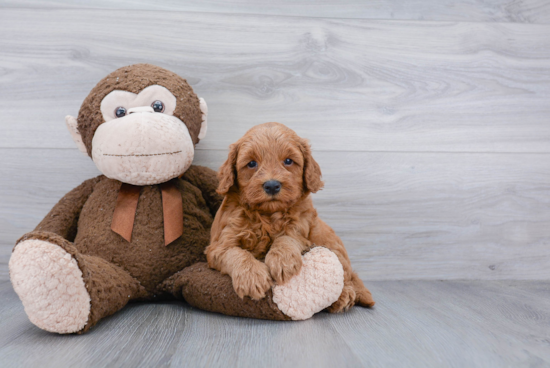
point(430, 120)
point(415, 323)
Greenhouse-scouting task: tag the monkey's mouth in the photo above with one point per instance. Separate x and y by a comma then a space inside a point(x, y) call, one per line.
point(143, 154)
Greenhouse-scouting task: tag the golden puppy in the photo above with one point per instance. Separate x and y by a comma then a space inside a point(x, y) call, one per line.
point(267, 214)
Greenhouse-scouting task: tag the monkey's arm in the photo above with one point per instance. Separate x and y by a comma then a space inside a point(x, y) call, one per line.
point(206, 180)
point(63, 217)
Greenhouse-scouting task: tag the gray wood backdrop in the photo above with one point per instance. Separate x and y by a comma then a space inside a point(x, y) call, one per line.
point(430, 119)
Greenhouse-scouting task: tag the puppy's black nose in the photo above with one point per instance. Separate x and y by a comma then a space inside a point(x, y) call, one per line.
point(272, 187)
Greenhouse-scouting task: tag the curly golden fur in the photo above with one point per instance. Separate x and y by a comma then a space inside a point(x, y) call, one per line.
point(252, 225)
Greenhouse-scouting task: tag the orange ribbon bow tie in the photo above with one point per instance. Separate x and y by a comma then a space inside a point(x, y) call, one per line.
point(126, 205)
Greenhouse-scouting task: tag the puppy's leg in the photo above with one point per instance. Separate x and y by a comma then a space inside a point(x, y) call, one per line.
point(348, 296)
point(354, 291)
point(363, 297)
point(250, 277)
point(284, 258)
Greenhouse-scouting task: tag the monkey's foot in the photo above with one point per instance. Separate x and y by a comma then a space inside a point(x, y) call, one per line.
point(316, 287)
point(50, 285)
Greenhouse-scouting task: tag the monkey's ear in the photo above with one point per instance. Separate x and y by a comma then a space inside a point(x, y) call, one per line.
point(204, 124)
point(72, 125)
point(312, 171)
point(226, 174)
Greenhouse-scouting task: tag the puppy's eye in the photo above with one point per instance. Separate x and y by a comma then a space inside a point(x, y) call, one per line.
point(288, 162)
point(158, 106)
point(252, 164)
point(120, 112)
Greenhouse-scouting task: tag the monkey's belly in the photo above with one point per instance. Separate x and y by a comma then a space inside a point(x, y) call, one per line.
point(146, 258)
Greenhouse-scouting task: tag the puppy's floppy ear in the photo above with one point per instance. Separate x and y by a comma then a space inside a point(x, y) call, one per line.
point(312, 171)
point(226, 174)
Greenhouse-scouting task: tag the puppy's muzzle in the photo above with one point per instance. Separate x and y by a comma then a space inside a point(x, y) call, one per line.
point(272, 187)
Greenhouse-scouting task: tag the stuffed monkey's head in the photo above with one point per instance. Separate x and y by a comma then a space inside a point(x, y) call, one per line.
point(140, 125)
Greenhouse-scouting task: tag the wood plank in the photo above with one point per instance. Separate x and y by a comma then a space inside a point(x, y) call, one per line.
point(526, 11)
point(451, 324)
point(170, 334)
point(414, 324)
point(346, 84)
point(253, 343)
point(401, 215)
point(13, 319)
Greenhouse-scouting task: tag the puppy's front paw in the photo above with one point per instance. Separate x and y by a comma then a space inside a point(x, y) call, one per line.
point(283, 265)
point(345, 301)
point(253, 280)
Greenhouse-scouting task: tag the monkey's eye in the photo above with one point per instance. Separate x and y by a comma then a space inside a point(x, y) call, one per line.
point(120, 112)
point(288, 162)
point(252, 164)
point(158, 106)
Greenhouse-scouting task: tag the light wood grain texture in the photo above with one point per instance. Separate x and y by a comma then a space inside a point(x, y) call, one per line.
point(414, 324)
point(401, 215)
point(521, 11)
point(346, 84)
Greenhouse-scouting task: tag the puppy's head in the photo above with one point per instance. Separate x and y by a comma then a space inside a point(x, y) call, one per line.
point(270, 168)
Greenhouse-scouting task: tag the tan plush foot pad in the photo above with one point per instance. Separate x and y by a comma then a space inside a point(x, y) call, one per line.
point(318, 285)
point(50, 285)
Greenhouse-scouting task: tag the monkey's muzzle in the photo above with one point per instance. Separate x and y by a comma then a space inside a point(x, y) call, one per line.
point(143, 147)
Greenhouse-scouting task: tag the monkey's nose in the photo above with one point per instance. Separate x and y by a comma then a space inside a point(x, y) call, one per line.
point(140, 109)
point(272, 187)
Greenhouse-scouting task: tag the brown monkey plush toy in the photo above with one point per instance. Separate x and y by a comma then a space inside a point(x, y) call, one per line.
point(138, 232)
